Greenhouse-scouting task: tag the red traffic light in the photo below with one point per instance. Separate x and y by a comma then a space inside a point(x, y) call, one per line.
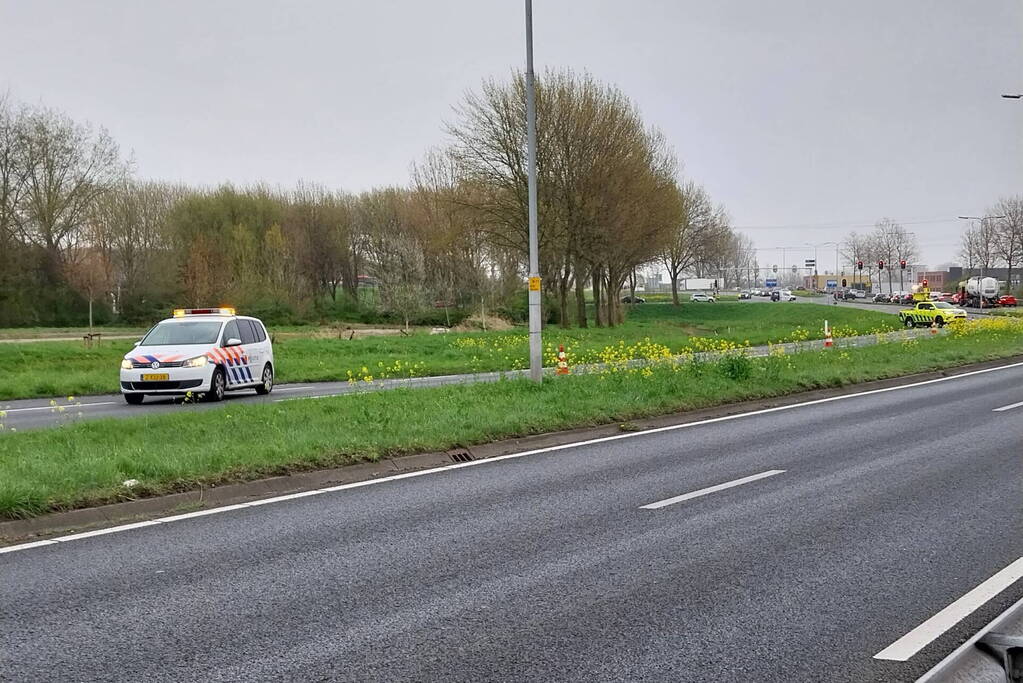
point(925, 282)
point(859, 265)
point(880, 265)
point(902, 264)
point(844, 283)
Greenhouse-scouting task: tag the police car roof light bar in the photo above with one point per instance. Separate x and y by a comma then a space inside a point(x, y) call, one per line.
point(224, 310)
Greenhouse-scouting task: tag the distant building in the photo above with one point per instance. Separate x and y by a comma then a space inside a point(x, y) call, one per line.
point(948, 280)
point(831, 281)
point(938, 280)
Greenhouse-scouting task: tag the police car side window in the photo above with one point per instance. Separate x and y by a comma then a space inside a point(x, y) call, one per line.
point(230, 332)
point(260, 332)
point(248, 335)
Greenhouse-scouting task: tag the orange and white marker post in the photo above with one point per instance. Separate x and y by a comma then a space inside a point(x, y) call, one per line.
point(562, 361)
point(934, 327)
point(828, 342)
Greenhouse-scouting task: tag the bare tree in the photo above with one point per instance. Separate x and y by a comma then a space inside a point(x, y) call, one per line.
point(12, 167)
point(130, 227)
point(689, 234)
point(978, 248)
point(1008, 234)
point(602, 179)
point(891, 243)
point(394, 251)
point(88, 270)
point(68, 166)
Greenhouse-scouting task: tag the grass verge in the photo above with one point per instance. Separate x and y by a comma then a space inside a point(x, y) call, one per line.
point(82, 464)
point(67, 368)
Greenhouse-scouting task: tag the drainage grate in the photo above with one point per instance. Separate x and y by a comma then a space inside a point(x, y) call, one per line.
point(461, 456)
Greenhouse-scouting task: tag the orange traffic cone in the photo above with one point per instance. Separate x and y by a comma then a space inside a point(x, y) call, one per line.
point(934, 327)
point(562, 361)
point(828, 342)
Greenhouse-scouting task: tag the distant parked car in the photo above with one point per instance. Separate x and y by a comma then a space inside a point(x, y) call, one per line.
point(786, 295)
point(745, 295)
point(860, 293)
point(947, 297)
point(775, 295)
point(881, 298)
point(849, 295)
point(700, 296)
point(633, 300)
point(1007, 300)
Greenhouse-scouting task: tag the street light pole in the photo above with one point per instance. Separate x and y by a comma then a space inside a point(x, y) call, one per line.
point(535, 342)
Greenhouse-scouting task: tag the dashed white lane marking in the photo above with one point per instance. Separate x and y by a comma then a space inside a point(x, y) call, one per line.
point(917, 639)
point(1009, 407)
point(710, 489)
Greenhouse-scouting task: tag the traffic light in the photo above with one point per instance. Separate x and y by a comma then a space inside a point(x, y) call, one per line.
point(902, 263)
point(925, 282)
point(880, 265)
point(844, 283)
point(859, 265)
point(775, 268)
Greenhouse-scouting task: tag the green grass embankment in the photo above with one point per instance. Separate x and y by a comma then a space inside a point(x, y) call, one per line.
point(48, 369)
point(83, 464)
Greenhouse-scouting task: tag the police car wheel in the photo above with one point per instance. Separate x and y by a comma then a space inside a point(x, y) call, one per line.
point(218, 386)
point(939, 321)
point(908, 322)
point(266, 385)
point(134, 399)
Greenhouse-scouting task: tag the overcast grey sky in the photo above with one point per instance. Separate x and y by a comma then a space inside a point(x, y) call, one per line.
point(815, 115)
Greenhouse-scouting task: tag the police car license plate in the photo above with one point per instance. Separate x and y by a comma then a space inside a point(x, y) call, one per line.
point(156, 377)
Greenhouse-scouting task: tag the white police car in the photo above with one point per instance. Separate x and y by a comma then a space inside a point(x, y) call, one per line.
point(203, 351)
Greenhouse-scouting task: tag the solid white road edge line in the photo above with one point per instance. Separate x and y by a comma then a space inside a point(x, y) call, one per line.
point(473, 463)
point(917, 639)
point(1008, 407)
point(710, 489)
point(67, 407)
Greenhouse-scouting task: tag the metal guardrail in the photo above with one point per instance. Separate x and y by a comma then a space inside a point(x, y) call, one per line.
point(994, 654)
point(766, 350)
point(700, 356)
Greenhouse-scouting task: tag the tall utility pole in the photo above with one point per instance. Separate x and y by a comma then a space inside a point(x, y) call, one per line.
point(535, 342)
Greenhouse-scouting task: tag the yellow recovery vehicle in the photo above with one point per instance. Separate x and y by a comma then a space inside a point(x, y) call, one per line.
point(926, 312)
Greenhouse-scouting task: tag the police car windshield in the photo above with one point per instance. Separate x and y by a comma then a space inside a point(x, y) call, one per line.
point(190, 332)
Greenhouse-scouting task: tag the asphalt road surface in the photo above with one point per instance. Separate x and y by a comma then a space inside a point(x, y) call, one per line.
point(33, 413)
point(789, 545)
